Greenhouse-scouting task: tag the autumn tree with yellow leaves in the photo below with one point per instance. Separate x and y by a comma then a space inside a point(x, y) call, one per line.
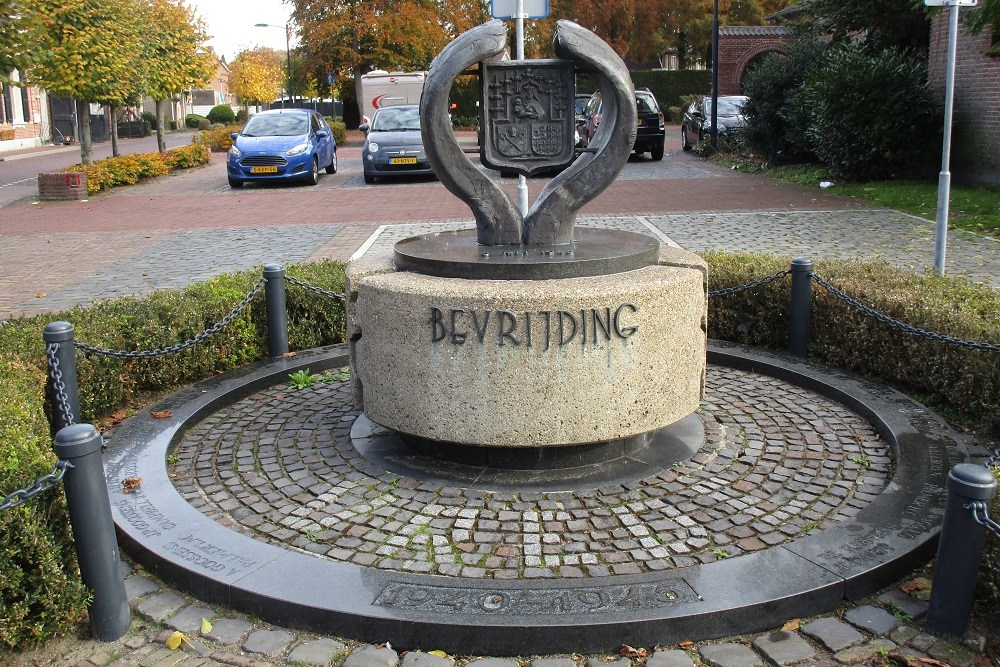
point(255, 75)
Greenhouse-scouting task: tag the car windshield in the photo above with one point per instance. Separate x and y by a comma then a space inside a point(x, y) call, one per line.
point(728, 106)
point(646, 103)
point(276, 125)
point(396, 119)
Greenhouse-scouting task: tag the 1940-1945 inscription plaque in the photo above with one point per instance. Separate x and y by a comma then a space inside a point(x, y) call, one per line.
point(528, 113)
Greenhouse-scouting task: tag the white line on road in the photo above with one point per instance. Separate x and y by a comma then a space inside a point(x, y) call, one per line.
point(23, 180)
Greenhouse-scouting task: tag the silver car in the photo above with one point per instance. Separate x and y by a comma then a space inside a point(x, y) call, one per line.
point(393, 146)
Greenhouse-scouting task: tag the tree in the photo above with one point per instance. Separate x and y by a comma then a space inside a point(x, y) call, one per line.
point(357, 36)
point(173, 54)
point(83, 49)
point(881, 24)
point(986, 15)
point(256, 76)
point(10, 55)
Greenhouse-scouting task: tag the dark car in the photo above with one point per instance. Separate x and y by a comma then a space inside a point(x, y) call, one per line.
point(650, 133)
point(697, 121)
point(393, 146)
point(282, 145)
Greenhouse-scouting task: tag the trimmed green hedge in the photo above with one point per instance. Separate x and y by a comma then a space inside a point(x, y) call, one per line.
point(40, 594)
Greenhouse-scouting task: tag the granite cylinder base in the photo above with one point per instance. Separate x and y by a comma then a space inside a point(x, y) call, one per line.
point(529, 363)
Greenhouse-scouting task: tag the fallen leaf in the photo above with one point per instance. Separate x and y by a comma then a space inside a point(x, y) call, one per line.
point(174, 640)
point(687, 643)
point(791, 626)
point(918, 584)
point(206, 626)
point(289, 355)
point(439, 653)
point(630, 652)
point(41, 295)
point(161, 414)
point(130, 484)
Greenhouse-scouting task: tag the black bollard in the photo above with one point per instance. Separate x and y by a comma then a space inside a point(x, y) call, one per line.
point(277, 312)
point(61, 334)
point(800, 317)
point(960, 550)
point(93, 530)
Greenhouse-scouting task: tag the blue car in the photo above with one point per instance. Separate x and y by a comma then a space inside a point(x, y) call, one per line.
point(282, 145)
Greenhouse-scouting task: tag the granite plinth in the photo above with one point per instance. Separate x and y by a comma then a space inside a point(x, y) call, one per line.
point(736, 595)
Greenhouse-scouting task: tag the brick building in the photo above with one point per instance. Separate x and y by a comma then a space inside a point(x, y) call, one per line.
point(742, 46)
point(24, 116)
point(975, 153)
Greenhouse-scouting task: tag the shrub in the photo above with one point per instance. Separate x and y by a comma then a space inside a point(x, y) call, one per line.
point(339, 131)
point(776, 120)
point(872, 115)
point(192, 155)
point(130, 169)
point(192, 120)
point(241, 116)
point(203, 124)
point(150, 119)
point(222, 113)
point(217, 139)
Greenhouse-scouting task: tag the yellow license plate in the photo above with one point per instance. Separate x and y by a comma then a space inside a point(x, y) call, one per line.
point(263, 170)
point(402, 160)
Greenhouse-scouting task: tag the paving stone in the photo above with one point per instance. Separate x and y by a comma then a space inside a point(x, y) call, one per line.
point(160, 606)
point(163, 657)
point(268, 642)
point(923, 642)
point(188, 619)
point(547, 662)
point(317, 652)
point(953, 653)
point(874, 620)
point(671, 658)
point(849, 656)
point(136, 586)
point(372, 656)
point(729, 655)
point(832, 633)
point(620, 662)
point(909, 605)
point(229, 630)
point(784, 648)
point(903, 634)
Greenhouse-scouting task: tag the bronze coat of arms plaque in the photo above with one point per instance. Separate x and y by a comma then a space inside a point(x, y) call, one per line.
point(528, 123)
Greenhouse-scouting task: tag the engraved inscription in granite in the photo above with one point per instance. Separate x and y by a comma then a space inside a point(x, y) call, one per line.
point(528, 114)
point(399, 595)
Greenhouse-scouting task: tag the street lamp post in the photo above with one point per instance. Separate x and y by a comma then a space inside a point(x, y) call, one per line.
point(288, 54)
point(715, 76)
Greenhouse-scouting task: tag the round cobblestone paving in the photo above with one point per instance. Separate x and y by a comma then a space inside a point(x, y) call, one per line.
point(777, 462)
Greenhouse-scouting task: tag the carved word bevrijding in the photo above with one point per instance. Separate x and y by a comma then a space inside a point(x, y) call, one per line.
point(545, 329)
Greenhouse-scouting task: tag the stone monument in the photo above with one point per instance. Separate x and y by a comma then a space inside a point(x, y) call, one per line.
point(528, 333)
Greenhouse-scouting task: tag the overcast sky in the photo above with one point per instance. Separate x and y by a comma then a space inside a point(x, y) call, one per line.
point(231, 24)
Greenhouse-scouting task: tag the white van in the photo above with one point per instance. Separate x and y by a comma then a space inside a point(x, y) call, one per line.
point(382, 89)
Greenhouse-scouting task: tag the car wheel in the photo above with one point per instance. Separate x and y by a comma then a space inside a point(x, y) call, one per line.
point(233, 183)
point(332, 167)
point(369, 178)
point(684, 139)
point(656, 152)
point(312, 178)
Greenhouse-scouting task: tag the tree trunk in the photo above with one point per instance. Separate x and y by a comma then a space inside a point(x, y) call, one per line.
point(161, 141)
point(83, 123)
point(682, 48)
point(114, 130)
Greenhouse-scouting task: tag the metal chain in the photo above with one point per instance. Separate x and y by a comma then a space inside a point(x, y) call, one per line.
point(171, 349)
point(318, 290)
point(43, 483)
point(58, 386)
point(757, 283)
point(902, 326)
point(981, 515)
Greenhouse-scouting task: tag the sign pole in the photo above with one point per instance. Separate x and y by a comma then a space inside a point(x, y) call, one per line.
point(944, 178)
point(522, 180)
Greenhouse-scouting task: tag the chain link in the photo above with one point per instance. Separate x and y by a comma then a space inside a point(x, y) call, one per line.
point(318, 290)
point(43, 483)
point(902, 326)
point(58, 386)
point(171, 349)
point(757, 283)
point(981, 515)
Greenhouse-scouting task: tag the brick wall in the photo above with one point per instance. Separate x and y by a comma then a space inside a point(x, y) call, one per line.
point(31, 128)
point(739, 45)
point(975, 151)
point(62, 186)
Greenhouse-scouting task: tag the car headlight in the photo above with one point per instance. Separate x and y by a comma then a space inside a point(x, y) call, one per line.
point(372, 147)
point(295, 150)
point(235, 152)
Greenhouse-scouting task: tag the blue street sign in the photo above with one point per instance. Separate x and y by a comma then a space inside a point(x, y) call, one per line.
point(533, 9)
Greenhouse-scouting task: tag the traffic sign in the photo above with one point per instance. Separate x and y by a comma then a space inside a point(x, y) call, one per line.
point(532, 9)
